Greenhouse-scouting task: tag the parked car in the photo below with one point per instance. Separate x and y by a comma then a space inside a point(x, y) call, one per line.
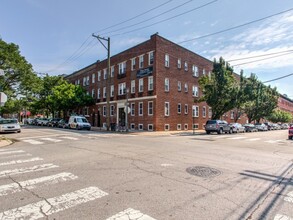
point(290, 132)
point(261, 127)
point(79, 122)
point(269, 126)
point(53, 122)
point(42, 121)
point(237, 128)
point(250, 128)
point(63, 123)
point(9, 125)
point(218, 126)
point(284, 126)
point(28, 121)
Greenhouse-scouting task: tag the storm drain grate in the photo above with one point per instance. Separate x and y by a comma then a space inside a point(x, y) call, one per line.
point(202, 171)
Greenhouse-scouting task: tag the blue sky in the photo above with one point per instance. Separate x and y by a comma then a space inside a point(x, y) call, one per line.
point(55, 35)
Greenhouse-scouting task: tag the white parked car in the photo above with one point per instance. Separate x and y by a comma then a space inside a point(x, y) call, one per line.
point(9, 125)
point(79, 123)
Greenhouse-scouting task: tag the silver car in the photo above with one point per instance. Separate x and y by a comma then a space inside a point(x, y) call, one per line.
point(237, 128)
point(9, 125)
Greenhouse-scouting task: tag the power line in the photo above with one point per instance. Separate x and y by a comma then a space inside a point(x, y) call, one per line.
point(235, 27)
point(165, 12)
point(262, 55)
point(291, 74)
point(132, 18)
point(199, 7)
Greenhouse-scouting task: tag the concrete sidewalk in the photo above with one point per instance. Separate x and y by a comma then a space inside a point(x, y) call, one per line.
point(4, 141)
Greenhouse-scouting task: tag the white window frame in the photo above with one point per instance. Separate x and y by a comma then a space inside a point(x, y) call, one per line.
point(195, 111)
point(122, 88)
point(104, 111)
point(132, 109)
point(179, 109)
point(203, 71)
point(185, 66)
point(194, 91)
point(195, 71)
point(151, 58)
point(150, 108)
point(140, 127)
point(204, 111)
point(186, 127)
point(141, 61)
point(104, 92)
point(179, 86)
point(99, 75)
point(167, 109)
point(98, 93)
point(232, 115)
point(122, 68)
point(87, 80)
point(167, 85)
point(132, 126)
point(133, 63)
point(167, 127)
point(93, 93)
point(210, 112)
point(185, 87)
point(105, 73)
point(132, 90)
point(186, 109)
point(150, 127)
point(112, 71)
point(140, 85)
point(150, 83)
point(140, 109)
point(111, 110)
point(178, 127)
point(93, 78)
point(112, 91)
point(179, 63)
point(167, 60)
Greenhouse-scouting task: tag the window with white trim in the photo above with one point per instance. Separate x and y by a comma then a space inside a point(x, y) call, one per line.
point(78, 82)
point(99, 75)
point(167, 85)
point(112, 110)
point(203, 72)
point(84, 81)
point(195, 111)
point(133, 64)
point(195, 91)
point(140, 108)
point(150, 127)
point(194, 71)
point(150, 83)
point(87, 93)
point(178, 127)
point(132, 89)
point(112, 91)
point(121, 88)
point(167, 127)
point(104, 92)
point(185, 87)
point(179, 86)
point(93, 78)
point(179, 108)
point(210, 112)
point(132, 109)
point(185, 126)
point(141, 60)
point(167, 60)
point(185, 66)
point(195, 126)
point(150, 108)
point(204, 111)
point(179, 63)
point(140, 85)
point(232, 115)
point(210, 74)
point(98, 93)
point(132, 126)
point(186, 109)
point(104, 111)
point(140, 127)
point(122, 67)
point(87, 80)
point(105, 73)
point(167, 109)
point(112, 71)
point(93, 93)
point(151, 58)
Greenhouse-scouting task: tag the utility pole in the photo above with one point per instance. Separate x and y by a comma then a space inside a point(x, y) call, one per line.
point(108, 78)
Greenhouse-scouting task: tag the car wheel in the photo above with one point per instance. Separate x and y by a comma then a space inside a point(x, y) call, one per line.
point(220, 131)
point(77, 128)
point(208, 132)
point(19, 131)
point(230, 131)
point(290, 137)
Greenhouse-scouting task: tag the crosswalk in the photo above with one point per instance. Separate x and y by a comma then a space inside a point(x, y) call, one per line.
point(248, 139)
point(44, 207)
point(289, 199)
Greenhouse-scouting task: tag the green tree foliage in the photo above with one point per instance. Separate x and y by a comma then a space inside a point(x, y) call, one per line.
point(280, 116)
point(220, 90)
point(260, 101)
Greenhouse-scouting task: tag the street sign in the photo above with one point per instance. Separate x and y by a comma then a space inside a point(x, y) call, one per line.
point(3, 97)
point(128, 109)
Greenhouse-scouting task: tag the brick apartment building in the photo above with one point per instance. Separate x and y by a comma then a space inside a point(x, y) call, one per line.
point(159, 81)
point(285, 104)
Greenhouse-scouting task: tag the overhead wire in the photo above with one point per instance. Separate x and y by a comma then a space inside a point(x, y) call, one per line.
point(282, 77)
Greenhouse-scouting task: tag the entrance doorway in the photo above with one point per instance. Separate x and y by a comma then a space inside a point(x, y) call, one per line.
point(121, 117)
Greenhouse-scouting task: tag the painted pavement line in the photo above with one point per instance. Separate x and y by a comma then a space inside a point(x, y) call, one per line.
point(11, 152)
point(33, 183)
point(31, 141)
point(27, 170)
point(49, 135)
point(236, 138)
point(253, 139)
point(16, 155)
point(53, 205)
point(70, 138)
point(282, 217)
point(289, 197)
point(130, 214)
point(51, 139)
point(12, 162)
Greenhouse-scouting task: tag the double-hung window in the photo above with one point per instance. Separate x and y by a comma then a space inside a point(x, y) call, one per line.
point(104, 92)
point(99, 75)
point(151, 58)
point(141, 60)
point(185, 66)
point(204, 111)
point(112, 91)
point(167, 85)
point(121, 88)
point(167, 60)
point(132, 89)
point(179, 63)
point(132, 109)
point(93, 78)
point(194, 71)
point(179, 108)
point(99, 93)
point(185, 87)
point(132, 64)
point(179, 86)
point(195, 91)
point(140, 85)
point(105, 74)
point(150, 108)
point(186, 109)
point(167, 109)
point(112, 71)
point(195, 111)
point(140, 108)
point(150, 83)
point(122, 68)
point(93, 93)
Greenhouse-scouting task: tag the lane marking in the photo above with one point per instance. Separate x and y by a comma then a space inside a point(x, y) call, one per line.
point(49, 135)
point(27, 170)
point(31, 141)
point(53, 205)
point(51, 139)
point(33, 183)
point(11, 152)
point(70, 138)
point(21, 161)
point(16, 155)
point(273, 141)
point(130, 214)
point(166, 165)
point(236, 138)
point(282, 217)
point(289, 197)
point(254, 139)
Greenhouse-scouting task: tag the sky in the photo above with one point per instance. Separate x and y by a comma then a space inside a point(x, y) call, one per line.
point(55, 36)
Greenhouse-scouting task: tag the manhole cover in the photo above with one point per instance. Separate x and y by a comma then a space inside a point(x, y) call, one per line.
point(203, 171)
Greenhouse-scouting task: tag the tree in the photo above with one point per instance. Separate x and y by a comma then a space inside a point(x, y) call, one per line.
point(280, 116)
point(220, 89)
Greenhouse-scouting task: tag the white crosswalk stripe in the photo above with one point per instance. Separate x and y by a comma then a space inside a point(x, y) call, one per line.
point(15, 155)
point(253, 139)
point(236, 138)
point(33, 183)
point(51, 139)
point(11, 152)
point(53, 205)
point(20, 161)
point(31, 141)
point(289, 197)
point(130, 214)
point(282, 217)
point(27, 169)
point(70, 138)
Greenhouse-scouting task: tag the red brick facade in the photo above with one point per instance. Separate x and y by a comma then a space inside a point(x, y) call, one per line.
point(149, 107)
point(285, 104)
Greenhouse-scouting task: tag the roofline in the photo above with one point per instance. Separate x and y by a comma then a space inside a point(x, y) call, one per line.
point(287, 98)
point(77, 71)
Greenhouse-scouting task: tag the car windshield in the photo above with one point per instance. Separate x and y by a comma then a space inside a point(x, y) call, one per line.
point(211, 122)
point(83, 120)
point(8, 121)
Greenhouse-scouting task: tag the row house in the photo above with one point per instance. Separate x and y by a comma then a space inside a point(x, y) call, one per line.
point(157, 80)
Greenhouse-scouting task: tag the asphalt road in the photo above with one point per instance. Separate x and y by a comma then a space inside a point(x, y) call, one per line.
point(65, 174)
